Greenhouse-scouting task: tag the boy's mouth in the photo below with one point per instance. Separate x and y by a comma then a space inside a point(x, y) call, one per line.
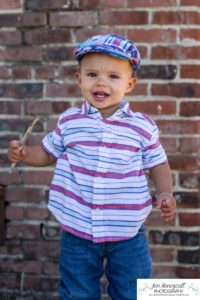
point(100, 95)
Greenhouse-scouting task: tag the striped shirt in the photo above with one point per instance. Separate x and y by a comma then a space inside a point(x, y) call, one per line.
point(99, 190)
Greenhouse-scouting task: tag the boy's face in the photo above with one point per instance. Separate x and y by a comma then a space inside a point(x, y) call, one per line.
point(104, 80)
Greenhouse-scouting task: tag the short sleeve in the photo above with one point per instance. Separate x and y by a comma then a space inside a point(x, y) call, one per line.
point(153, 152)
point(53, 142)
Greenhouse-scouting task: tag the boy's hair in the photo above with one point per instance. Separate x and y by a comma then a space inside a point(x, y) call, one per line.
point(110, 44)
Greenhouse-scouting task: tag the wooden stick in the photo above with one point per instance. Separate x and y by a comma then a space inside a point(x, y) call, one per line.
point(24, 138)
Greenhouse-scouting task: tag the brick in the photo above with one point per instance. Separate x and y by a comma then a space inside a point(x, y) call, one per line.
point(164, 271)
point(58, 54)
point(17, 125)
point(17, 265)
point(68, 72)
point(50, 268)
point(189, 145)
point(176, 52)
point(4, 162)
point(179, 90)
point(10, 38)
point(112, 4)
point(162, 255)
point(169, 144)
point(186, 163)
point(47, 4)
point(22, 54)
point(40, 283)
point(15, 213)
point(38, 107)
point(8, 281)
point(9, 20)
point(21, 90)
point(153, 107)
point(7, 178)
point(4, 73)
point(178, 127)
point(83, 33)
point(37, 177)
point(42, 248)
point(45, 72)
point(140, 89)
point(188, 199)
point(10, 107)
point(192, 34)
point(62, 90)
point(152, 3)
point(21, 72)
point(189, 219)
point(187, 272)
point(47, 36)
point(73, 19)
point(174, 238)
point(155, 35)
point(189, 109)
point(157, 72)
point(24, 195)
point(23, 231)
point(10, 4)
point(189, 180)
point(123, 18)
point(61, 4)
point(190, 2)
point(60, 106)
point(184, 17)
point(188, 256)
point(5, 139)
point(190, 71)
point(35, 213)
point(88, 4)
point(31, 19)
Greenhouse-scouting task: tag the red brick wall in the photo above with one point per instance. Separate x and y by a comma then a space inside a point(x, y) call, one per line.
point(36, 78)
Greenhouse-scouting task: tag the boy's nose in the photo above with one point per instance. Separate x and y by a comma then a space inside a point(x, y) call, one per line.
point(100, 81)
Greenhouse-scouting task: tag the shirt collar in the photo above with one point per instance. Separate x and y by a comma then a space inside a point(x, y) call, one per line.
point(123, 110)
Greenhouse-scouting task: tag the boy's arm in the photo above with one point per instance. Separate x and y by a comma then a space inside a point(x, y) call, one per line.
point(31, 155)
point(162, 179)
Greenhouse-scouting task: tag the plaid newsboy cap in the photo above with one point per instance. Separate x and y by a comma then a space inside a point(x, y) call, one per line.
point(110, 44)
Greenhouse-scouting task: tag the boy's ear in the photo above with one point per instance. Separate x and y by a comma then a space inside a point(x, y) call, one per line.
point(78, 77)
point(131, 84)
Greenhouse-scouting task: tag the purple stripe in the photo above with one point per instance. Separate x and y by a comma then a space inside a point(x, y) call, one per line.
point(148, 119)
point(69, 194)
point(89, 237)
point(124, 206)
point(72, 117)
point(135, 128)
point(107, 174)
point(104, 206)
point(58, 131)
point(76, 232)
point(103, 144)
point(153, 146)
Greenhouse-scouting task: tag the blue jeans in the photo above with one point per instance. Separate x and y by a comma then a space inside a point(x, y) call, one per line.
point(81, 267)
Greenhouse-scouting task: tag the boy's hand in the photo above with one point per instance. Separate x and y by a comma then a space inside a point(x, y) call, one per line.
point(16, 152)
point(167, 204)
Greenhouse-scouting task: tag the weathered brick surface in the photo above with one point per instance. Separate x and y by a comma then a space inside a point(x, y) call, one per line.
point(37, 78)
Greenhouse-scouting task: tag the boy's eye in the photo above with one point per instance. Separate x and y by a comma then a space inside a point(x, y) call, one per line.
point(92, 74)
point(114, 76)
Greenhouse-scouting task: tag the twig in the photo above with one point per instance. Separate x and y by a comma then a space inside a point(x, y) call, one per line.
point(24, 138)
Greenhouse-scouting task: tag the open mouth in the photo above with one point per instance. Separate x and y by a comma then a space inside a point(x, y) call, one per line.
point(100, 95)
